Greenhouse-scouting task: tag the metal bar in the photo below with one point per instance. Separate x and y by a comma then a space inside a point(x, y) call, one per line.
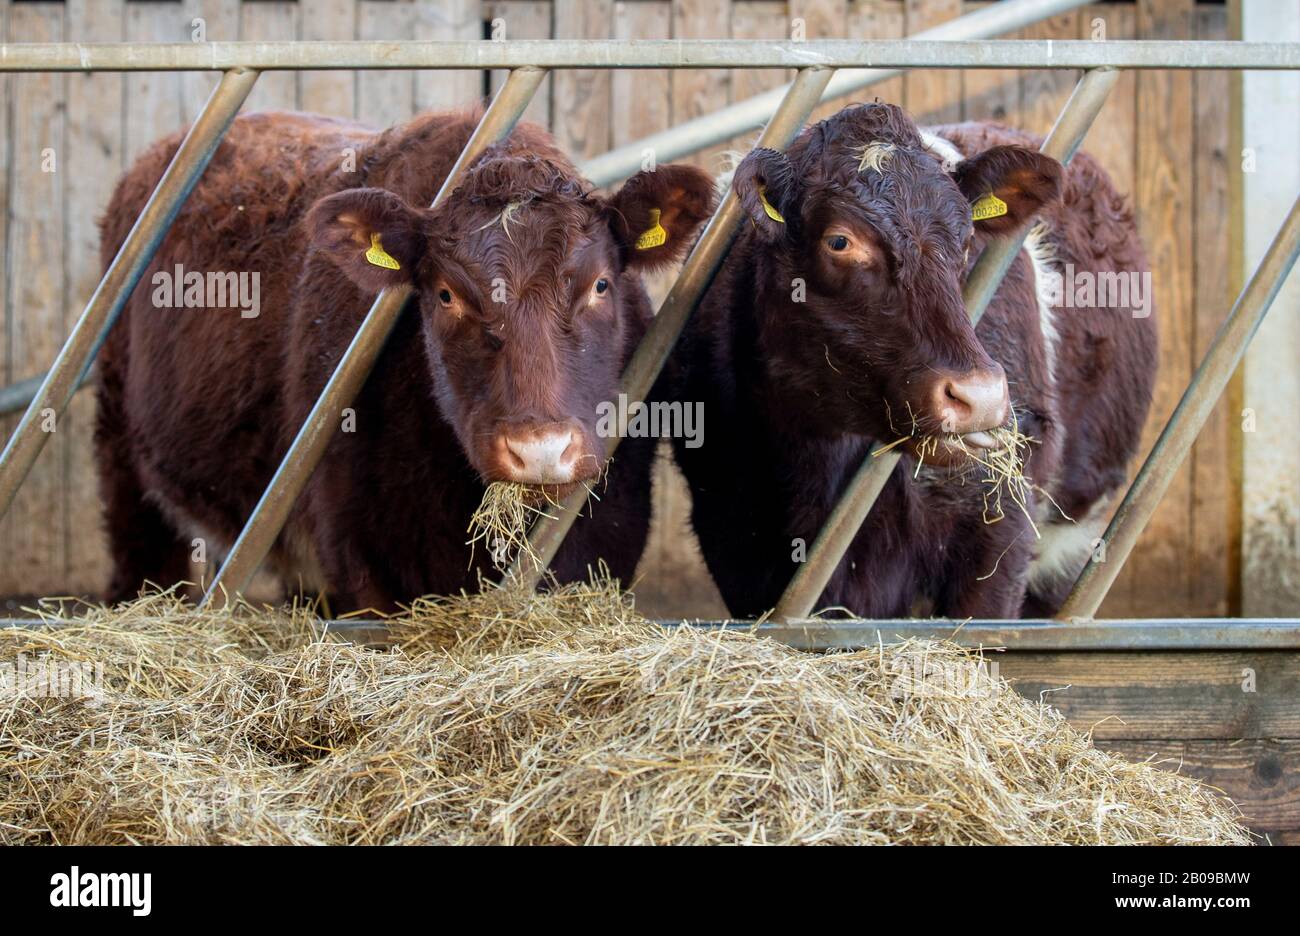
point(1199, 399)
point(644, 53)
point(816, 635)
point(697, 273)
point(691, 136)
point(308, 447)
point(137, 251)
point(18, 396)
point(846, 519)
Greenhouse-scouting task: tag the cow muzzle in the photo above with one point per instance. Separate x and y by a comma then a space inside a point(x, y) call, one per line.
point(971, 403)
point(551, 453)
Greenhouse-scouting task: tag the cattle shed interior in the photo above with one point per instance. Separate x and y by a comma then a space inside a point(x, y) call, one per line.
point(1207, 157)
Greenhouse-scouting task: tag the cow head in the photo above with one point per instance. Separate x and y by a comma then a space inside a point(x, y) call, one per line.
point(867, 235)
point(529, 291)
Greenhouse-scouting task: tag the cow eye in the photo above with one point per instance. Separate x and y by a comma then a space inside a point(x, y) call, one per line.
point(837, 243)
point(599, 290)
point(445, 297)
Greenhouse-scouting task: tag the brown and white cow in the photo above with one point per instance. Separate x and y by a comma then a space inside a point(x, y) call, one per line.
point(838, 321)
point(528, 301)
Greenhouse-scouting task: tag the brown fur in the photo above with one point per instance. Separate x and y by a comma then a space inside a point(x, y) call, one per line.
point(198, 406)
point(796, 392)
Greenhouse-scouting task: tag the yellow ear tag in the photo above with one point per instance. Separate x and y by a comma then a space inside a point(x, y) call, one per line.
point(767, 206)
point(379, 257)
point(654, 235)
point(990, 206)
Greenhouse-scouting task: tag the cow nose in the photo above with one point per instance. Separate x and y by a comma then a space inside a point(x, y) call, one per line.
point(973, 402)
point(547, 456)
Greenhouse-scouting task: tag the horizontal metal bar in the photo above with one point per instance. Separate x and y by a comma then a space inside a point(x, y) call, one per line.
point(137, 251)
point(691, 136)
point(645, 53)
point(18, 396)
point(1193, 410)
point(354, 367)
point(1210, 634)
point(842, 526)
point(548, 532)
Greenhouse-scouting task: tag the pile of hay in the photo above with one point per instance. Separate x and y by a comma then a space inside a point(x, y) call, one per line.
point(559, 718)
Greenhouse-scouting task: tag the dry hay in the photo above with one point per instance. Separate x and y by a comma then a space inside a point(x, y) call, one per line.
point(555, 718)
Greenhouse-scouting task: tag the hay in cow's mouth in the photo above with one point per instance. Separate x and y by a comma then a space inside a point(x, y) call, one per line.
point(999, 454)
point(552, 718)
point(503, 518)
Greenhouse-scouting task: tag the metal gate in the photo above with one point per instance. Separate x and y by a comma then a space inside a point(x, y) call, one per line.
point(826, 69)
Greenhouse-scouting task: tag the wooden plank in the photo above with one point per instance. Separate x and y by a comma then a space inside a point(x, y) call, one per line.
point(385, 98)
point(1261, 776)
point(932, 95)
point(1269, 119)
point(92, 162)
point(697, 92)
point(524, 19)
point(580, 110)
point(328, 92)
point(878, 19)
point(821, 19)
point(1176, 694)
point(219, 22)
point(761, 19)
point(989, 94)
point(1044, 93)
point(274, 20)
point(7, 585)
point(33, 531)
point(1158, 569)
point(644, 106)
point(1113, 137)
point(1215, 518)
point(448, 19)
point(155, 101)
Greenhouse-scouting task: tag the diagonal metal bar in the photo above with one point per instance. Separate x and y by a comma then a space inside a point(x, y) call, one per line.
point(1199, 399)
point(134, 256)
point(272, 511)
point(835, 537)
point(697, 273)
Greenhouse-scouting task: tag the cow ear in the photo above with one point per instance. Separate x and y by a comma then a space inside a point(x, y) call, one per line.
point(656, 213)
point(768, 191)
point(1007, 186)
point(370, 234)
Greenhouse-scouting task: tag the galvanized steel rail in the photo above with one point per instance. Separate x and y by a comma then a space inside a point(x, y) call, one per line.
point(646, 53)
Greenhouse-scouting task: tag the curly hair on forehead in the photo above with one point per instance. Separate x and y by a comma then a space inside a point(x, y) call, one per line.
point(499, 179)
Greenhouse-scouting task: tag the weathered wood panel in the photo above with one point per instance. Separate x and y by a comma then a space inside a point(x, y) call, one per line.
point(1261, 776)
point(92, 154)
point(32, 534)
point(328, 92)
point(1186, 695)
point(277, 20)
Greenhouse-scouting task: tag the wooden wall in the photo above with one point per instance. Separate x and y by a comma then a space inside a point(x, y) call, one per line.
point(1164, 136)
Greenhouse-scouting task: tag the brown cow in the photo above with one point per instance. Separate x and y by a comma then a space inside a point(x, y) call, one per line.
point(838, 321)
point(528, 301)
